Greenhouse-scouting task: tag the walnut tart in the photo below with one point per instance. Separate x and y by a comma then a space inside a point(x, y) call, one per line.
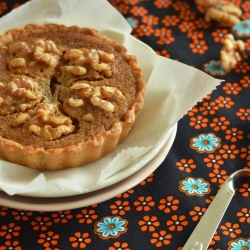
point(68, 95)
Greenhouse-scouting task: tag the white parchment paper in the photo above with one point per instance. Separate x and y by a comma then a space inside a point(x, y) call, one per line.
point(172, 89)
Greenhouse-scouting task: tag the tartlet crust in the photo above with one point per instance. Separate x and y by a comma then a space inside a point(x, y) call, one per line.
point(90, 149)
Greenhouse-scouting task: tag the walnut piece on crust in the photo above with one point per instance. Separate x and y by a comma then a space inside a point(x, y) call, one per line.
point(231, 53)
point(20, 94)
point(224, 13)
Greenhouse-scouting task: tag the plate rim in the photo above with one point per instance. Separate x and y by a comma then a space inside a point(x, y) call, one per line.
point(50, 204)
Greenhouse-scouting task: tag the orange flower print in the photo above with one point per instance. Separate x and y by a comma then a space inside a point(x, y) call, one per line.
point(198, 46)
point(169, 204)
point(161, 238)
point(150, 20)
point(244, 114)
point(214, 161)
point(229, 151)
point(126, 194)
point(148, 223)
point(13, 245)
point(208, 108)
point(149, 179)
point(138, 11)
point(41, 223)
point(234, 134)
point(247, 42)
point(197, 213)
point(187, 26)
point(232, 88)
point(187, 15)
point(245, 153)
point(210, 199)
point(164, 53)
point(162, 3)
point(8, 231)
point(3, 7)
point(245, 16)
point(144, 203)
point(242, 67)
point(220, 123)
point(48, 240)
point(3, 210)
point(235, 2)
point(224, 102)
point(245, 190)
point(246, 6)
point(200, 23)
point(177, 223)
point(21, 214)
point(80, 240)
point(122, 8)
point(231, 229)
point(62, 216)
point(119, 246)
point(16, 5)
point(180, 5)
point(170, 20)
point(193, 111)
point(165, 36)
point(86, 216)
point(194, 34)
point(218, 176)
point(244, 215)
point(144, 30)
point(186, 165)
point(120, 207)
point(201, 9)
point(245, 81)
point(131, 1)
point(198, 122)
point(215, 238)
point(219, 35)
point(207, 98)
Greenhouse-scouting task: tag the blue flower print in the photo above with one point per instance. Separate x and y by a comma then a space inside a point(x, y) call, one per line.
point(192, 186)
point(110, 227)
point(214, 68)
point(205, 143)
point(242, 29)
point(132, 22)
point(240, 244)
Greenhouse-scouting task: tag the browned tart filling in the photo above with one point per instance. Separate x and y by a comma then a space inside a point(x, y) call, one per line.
point(68, 95)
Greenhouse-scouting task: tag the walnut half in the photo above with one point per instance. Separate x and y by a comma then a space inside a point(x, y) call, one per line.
point(49, 123)
point(224, 13)
point(231, 53)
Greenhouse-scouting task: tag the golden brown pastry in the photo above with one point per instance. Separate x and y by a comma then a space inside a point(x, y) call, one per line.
point(68, 95)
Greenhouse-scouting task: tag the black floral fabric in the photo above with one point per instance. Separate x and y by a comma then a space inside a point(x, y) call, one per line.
point(212, 141)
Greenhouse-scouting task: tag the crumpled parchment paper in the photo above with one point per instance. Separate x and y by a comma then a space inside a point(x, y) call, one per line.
point(172, 89)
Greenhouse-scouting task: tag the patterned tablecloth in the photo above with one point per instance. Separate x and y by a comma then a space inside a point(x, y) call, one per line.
point(212, 141)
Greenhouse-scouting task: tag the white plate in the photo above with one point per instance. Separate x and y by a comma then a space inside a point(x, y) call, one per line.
point(117, 177)
point(71, 182)
point(77, 201)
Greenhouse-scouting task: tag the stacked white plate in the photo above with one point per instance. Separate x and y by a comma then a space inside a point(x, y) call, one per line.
point(114, 185)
